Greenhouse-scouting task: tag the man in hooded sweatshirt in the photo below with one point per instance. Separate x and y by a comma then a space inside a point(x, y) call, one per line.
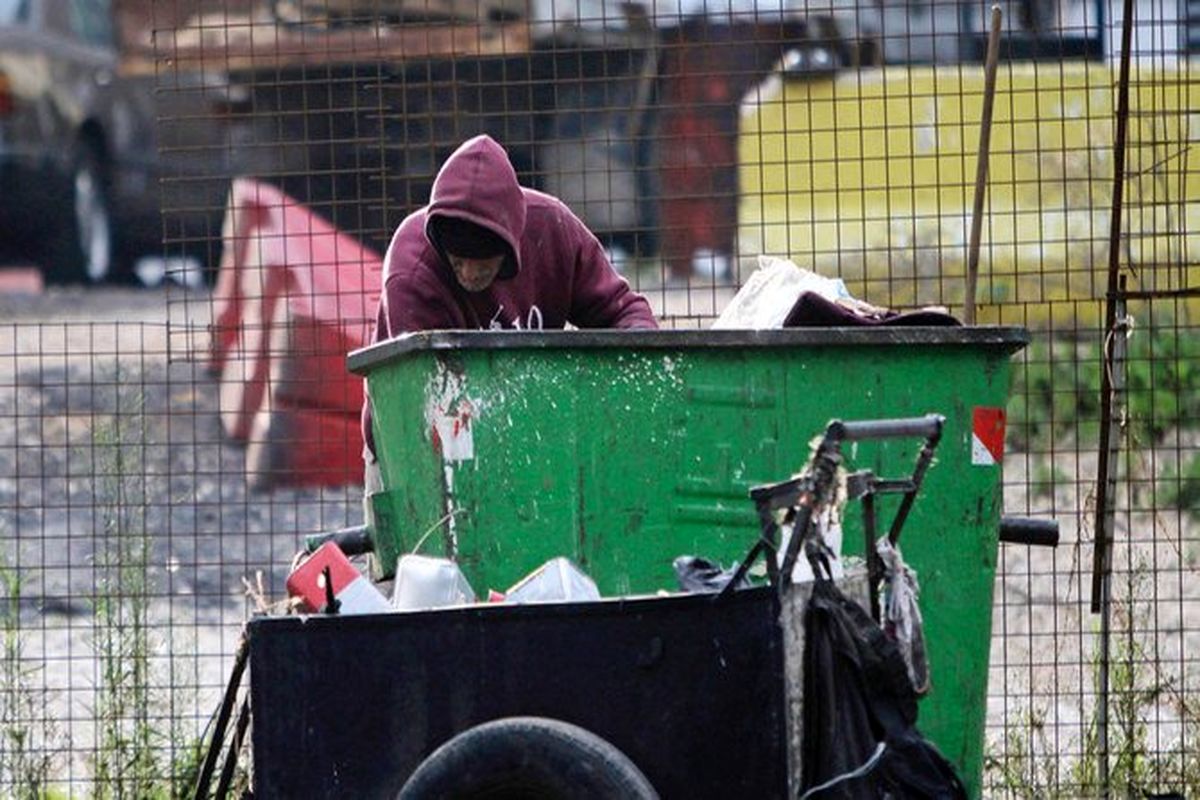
point(490, 254)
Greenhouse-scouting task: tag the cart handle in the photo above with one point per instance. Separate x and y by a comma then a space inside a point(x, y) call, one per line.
point(926, 427)
point(352, 541)
point(1024, 530)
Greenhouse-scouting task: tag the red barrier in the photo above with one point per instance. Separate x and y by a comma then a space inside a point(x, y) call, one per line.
point(293, 296)
point(246, 361)
point(242, 216)
point(294, 446)
point(308, 366)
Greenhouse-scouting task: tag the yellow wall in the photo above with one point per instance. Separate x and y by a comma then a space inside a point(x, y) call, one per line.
point(870, 176)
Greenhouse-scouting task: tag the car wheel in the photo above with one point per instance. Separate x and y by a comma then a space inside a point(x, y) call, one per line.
point(80, 249)
point(529, 758)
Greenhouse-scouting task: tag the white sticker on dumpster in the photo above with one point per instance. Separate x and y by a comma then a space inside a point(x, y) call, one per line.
point(451, 417)
point(987, 436)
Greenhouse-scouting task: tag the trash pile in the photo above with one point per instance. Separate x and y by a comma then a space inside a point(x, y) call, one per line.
point(780, 294)
point(328, 583)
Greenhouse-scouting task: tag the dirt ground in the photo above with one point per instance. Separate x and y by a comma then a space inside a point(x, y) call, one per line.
point(78, 370)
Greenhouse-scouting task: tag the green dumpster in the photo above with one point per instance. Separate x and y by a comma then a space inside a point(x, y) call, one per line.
point(625, 449)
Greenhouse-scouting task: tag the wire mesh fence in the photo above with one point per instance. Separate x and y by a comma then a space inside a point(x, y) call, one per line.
point(166, 451)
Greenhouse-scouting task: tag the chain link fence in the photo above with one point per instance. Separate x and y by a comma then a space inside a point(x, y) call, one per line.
point(166, 450)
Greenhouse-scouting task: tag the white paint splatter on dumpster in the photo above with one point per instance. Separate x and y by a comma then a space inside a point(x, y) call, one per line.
point(451, 415)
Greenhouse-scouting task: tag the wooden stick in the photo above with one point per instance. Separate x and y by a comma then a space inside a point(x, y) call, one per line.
point(981, 164)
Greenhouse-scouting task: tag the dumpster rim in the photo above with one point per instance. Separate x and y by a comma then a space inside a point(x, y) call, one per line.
point(362, 361)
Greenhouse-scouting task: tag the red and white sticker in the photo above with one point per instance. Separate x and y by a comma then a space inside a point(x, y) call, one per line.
point(987, 436)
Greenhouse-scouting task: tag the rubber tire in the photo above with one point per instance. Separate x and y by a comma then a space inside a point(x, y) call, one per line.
point(531, 758)
point(80, 248)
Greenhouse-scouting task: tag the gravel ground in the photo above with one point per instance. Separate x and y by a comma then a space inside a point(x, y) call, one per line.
point(1045, 642)
point(71, 387)
point(79, 372)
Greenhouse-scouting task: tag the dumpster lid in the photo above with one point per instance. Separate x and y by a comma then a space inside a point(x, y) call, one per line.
point(1006, 339)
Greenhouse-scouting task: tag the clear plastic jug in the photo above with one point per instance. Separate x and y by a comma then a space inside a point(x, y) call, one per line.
point(426, 582)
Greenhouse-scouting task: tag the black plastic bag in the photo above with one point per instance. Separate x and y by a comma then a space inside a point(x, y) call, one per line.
point(857, 695)
point(697, 574)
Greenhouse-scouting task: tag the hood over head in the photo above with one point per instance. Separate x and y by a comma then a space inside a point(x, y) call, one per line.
point(478, 184)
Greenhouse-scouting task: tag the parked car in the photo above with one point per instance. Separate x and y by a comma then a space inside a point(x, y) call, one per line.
point(80, 163)
point(64, 136)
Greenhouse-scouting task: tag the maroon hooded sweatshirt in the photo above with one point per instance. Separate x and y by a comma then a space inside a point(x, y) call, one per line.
point(556, 272)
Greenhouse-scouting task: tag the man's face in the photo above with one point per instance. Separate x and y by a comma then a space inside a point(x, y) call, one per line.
point(475, 274)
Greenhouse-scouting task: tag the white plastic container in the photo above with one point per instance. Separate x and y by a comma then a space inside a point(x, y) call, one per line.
point(558, 580)
point(425, 582)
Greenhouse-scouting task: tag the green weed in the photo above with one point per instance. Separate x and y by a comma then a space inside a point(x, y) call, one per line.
point(1027, 763)
point(1026, 766)
point(28, 740)
point(144, 751)
point(1046, 477)
point(1182, 489)
point(126, 761)
point(1056, 391)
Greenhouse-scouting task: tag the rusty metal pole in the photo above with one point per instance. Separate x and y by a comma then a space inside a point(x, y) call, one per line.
point(1115, 294)
point(1114, 366)
point(1111, 384)
point(981, 164)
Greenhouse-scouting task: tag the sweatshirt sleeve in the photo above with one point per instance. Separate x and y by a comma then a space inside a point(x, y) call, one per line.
point(412, 303)
point(602, 298)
